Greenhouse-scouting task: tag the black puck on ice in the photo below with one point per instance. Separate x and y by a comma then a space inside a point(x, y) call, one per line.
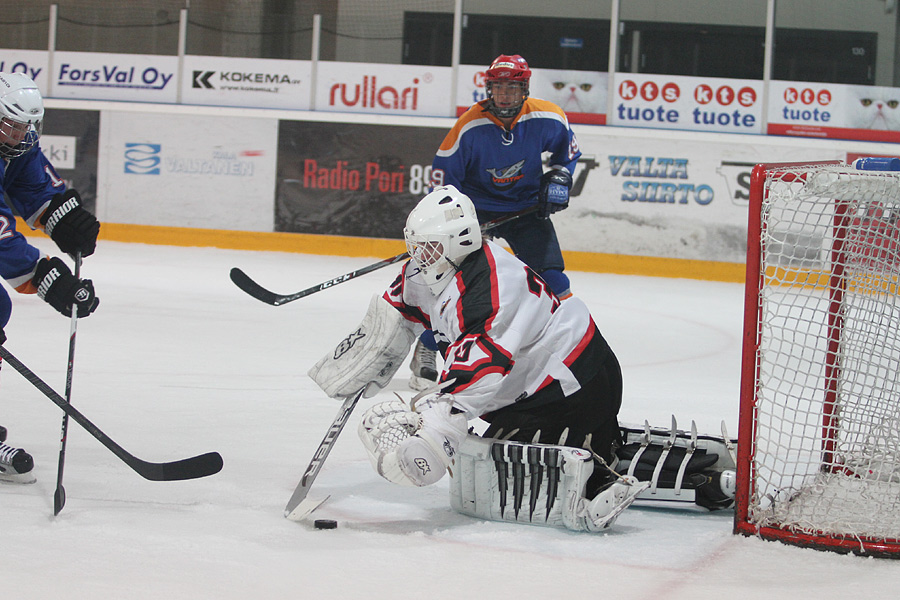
point(325, 524)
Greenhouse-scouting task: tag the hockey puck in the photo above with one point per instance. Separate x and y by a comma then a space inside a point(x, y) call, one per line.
point(325, 524)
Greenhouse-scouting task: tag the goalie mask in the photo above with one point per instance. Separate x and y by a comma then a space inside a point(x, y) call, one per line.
point(440, 232)
point(506, 85)
point(21, 114)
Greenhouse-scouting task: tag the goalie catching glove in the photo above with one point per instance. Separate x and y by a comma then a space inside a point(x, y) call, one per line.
point(554, 194)
point(60, 289)
point(413, 447)
point(69, 225)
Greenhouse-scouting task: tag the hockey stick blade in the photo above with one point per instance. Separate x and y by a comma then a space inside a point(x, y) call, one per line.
point(243, 281)
point(298, 506)
point(188, 468)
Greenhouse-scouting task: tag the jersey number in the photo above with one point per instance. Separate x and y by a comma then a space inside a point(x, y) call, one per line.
point(5, 230)
point(539, 287)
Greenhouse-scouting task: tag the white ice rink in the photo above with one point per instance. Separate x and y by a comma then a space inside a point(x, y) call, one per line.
point(177, 361)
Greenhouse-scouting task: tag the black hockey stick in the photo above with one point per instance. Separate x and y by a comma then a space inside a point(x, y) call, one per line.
point(188, 468)
point(59, 496)
point(299, 505)
point(243, 281)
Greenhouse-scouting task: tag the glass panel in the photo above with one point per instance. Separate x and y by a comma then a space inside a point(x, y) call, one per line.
point(126, 28)
point(698, 38)
point(570, 34)
point(415, 32)
point(851, 43)
point(25, 25)
point(273, 29)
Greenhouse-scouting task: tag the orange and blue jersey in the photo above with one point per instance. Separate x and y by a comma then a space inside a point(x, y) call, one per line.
point(500, 169)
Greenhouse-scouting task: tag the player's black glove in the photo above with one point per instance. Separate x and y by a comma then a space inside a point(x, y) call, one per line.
point(60, 289)
point(2, 336)
point(70, 225)
point(554, 194)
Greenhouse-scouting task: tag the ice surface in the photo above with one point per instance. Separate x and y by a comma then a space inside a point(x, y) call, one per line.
point(177, 361)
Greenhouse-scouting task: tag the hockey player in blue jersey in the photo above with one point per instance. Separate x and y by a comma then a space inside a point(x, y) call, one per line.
point(33, 189)
point(494, 155)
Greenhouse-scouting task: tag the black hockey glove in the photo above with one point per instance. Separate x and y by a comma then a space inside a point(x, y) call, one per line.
point(60, 289)
point(2, 341)
point(554, 194)
point(70, 225)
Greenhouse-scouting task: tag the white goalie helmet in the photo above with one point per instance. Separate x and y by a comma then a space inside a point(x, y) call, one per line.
point(21, 114)
point(440, 232)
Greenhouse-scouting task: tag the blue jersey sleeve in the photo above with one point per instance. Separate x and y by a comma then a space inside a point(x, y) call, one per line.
point(30, 182)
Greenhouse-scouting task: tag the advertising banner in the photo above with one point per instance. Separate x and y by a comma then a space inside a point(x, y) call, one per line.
point(581, 94)
point(29, 62)
point(850, 112)
point(177, 170)
point(128, 77)
point(690, 103)
point(351, 179)
point(249, 82)
point(69, 141)
point(675, 194)
point(383, 89)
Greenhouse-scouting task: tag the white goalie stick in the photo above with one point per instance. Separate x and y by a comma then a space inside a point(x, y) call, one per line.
point(243, 281)
point(299, 506)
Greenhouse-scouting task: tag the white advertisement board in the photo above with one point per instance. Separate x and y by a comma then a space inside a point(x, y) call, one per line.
point(862, 112)
point(691, 103)
point(177, 170)
point(676, 194)
point(250, 82)
point(29, 62)
point(128, 77)
point(383, 89)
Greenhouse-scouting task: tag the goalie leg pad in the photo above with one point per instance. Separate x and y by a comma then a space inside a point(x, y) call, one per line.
point(682, 468)
point(371, 354)
point(536, 484)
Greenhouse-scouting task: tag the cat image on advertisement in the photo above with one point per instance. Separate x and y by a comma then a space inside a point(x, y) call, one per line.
point(875, 108)
point(572, 91)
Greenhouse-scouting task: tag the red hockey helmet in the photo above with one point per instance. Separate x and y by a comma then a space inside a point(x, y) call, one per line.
point(506, 84)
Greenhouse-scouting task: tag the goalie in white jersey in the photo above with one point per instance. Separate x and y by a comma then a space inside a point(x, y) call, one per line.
point(535, 368)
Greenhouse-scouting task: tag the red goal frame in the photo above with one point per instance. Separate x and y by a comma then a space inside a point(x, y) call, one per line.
point(750, 372)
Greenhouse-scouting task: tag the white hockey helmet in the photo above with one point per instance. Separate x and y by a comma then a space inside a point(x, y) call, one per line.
point(21, 114)
point(440, 232)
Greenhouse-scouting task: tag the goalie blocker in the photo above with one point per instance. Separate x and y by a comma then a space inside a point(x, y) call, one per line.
point(368, 357)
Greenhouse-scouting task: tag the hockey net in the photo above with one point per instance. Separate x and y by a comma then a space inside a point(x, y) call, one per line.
point(820, 390)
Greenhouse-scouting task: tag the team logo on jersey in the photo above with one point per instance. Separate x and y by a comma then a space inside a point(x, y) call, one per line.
point(504, 178)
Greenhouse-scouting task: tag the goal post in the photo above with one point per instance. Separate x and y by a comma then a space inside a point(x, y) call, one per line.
point(819, 451)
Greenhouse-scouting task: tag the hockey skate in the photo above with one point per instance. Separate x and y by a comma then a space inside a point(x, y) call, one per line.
point(16, 465)
point(424, 368)
point(604, 509)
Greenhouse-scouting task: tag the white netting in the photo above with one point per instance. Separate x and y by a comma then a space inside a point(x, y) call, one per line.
point(826, 458)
